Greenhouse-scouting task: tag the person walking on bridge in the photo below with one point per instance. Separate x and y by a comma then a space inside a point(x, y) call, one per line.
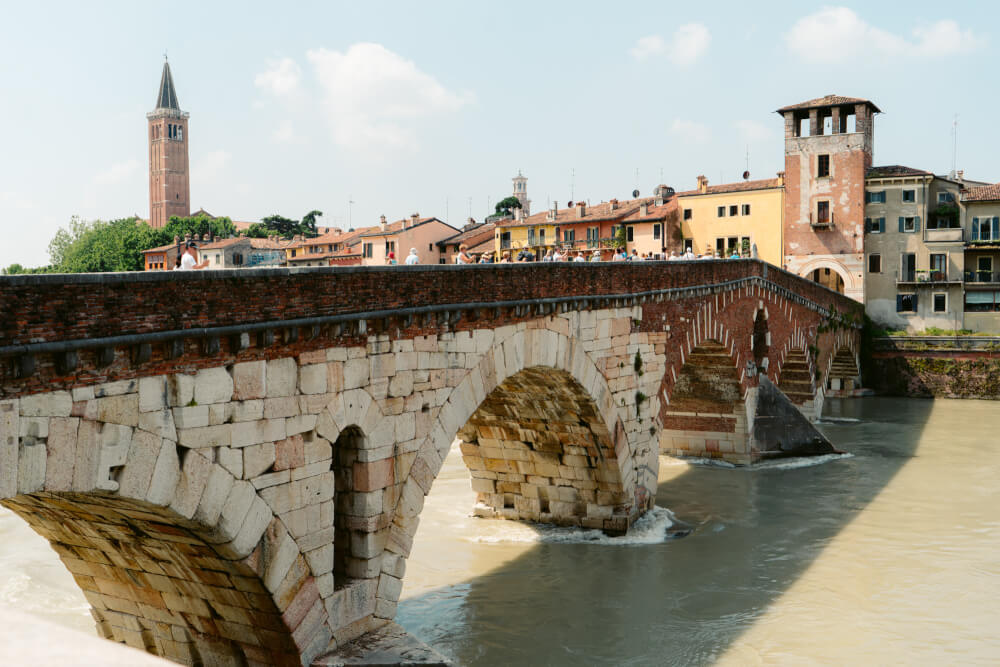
point(412, 258)
point(189, 262)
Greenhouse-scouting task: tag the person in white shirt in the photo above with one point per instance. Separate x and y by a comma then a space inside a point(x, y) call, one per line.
point(412, 257)
point(688, 254)
point(579, 257)
point(557, 256)
point(189, 262)
point(463, 256)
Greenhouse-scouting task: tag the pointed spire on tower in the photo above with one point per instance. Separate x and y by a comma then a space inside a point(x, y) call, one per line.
point(167, 97)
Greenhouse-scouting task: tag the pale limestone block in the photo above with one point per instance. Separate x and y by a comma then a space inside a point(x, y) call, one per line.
point(405, 427)
point(378, 388)
point(406, 361)
point(356, 373)
point(321, 560)
point(595, 511)
point(180, 389)
point(282, 376)
point(206, 436)
point(326, 427)
point(483, 340)
point(234, 512)
point(283, 498)
point(52, 404)
point(312, 379)
point(385, 609)
point(166, 474)
point(382, 435)
point(389, 587)
point(365, 504)
point(257, 459)
point(336, 354)
point(195, 471)
point(317, 449)
point(232, 460)
point(152, 393)
point(355, 407)
point(195, 416)
point(60, 453)
point(304, 520)
point(254, 433)
point(318, 488)
point(317, 539)
point(401, 384)
point(282, 557)
point(300, 424)
point(257, 519)
point(249, 380)
point(123, 409)
point(34, 427)
point(248, 411)
point(159, 423)
point(115, 442)
point(10, 429)
point(143, 452)
point(283, 406)
point(220, 413)
point(29, 470)
point(271, 479)
point(383, 365)
point(83, 394)
point(394, 565)
point(220, 483)
point(411, 500)
point(367, 545)
point(115, 388)
point(213, 385)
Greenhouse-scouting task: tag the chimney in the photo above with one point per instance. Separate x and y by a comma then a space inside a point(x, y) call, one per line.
point(381, 222)
point(781, 178)
point(961, 174)
point(643, 209)
point(415, 218)
point(702, 184)
point(613, 204)
point(581, 209)
point(518, 214)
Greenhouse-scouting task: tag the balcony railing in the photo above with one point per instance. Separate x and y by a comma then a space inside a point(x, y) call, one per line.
point(982, 277)
point(925, 276)
point(826, 222)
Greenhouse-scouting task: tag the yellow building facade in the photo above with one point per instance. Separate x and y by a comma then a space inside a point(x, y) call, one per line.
point(721, 218)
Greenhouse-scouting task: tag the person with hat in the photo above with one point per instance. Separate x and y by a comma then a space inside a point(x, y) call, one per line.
point(189, 261)
point(413, 258)
point(391, 258)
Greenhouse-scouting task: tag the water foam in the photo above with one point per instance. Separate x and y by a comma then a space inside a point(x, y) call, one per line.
point(774, 464)
point(651, 528)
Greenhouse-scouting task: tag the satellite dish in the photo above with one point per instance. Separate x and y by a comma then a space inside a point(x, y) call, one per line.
point(746, 175)
point(569, 204)
point(635, 194)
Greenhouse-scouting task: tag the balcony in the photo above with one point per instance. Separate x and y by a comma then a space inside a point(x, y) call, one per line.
point(821, 222)
point(944, 234)
point(926, 277)
point(982, 277)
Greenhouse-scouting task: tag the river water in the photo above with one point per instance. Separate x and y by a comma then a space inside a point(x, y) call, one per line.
point(889, 554)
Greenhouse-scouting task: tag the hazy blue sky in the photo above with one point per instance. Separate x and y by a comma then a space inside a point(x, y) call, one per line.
point(419, 106)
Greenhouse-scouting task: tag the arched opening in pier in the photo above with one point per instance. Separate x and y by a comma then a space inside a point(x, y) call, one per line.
point(844, 373)
point(706, 416)
point(155, 583)
point(538, 449)
point(796, 380)
point(348, 516)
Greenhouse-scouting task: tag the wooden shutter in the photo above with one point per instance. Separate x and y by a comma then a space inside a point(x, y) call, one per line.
point(996, 229)
point(975, 229)
point(901, 223)
point(868, 225)
point(916, 223)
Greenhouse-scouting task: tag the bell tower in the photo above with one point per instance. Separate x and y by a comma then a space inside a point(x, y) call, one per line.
point(521, 193)
point(169, 180)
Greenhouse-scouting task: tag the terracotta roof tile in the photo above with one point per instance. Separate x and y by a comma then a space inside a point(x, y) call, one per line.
point(480, 229)
point(594, 213)
point(397, 226)
point(741, 186)
point(828, 101)
point(895, 170)
point(982, 193)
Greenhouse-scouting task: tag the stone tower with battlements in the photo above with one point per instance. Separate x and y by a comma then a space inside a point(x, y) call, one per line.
point(169, 175)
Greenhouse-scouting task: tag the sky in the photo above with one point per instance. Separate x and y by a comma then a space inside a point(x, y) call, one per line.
point(432, 107)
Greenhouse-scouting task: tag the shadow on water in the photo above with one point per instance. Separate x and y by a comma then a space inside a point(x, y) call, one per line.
point(682, 601)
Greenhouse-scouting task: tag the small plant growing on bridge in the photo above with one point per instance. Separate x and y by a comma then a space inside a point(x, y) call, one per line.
point(638, 363)
point(639, 398)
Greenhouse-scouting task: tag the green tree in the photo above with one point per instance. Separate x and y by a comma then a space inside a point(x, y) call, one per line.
point(103, 246)
point(309, 221)
point(13, 270)
point(221, 227)
point(507, 206)
point(286, 227)
point(258, 230)
point(620, 237)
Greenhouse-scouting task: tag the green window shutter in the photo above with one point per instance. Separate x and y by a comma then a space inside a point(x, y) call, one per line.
point(915, 302)
point(868, 225)
point(881, 225)
point(916, 224)
point(899, 303)
point(975, 229)
point(901, 225)
point(996, 229)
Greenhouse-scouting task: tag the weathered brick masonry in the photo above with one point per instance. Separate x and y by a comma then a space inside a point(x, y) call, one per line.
point(233, 464)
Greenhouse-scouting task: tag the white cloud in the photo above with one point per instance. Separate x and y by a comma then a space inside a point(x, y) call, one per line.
point(691, 131)
point(285, 134)
point(281, 78)
point(117, 173)
point(647, 47)
point(370, 94)
point(13, 200)
point(752, 131)
point(688, 43)
point(838, 34)
point(208, 167)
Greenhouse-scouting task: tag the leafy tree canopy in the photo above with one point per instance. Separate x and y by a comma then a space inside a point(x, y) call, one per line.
point(102, 246)
point(507, 206)
point(202, 224)
point(286, 227)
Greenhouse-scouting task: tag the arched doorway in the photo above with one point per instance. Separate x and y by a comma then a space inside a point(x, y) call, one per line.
point(828, 278)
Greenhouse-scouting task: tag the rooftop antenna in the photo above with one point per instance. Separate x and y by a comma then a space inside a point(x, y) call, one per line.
point(954, 145)
point(350, 217)
point(164, 55)
point(637, 177)
point(446, 216)
point(746, 171)
point(470, 207)
point(661, 174)
point(572, 184)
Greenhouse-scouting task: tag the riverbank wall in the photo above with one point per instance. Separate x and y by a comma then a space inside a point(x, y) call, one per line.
point(935, 366)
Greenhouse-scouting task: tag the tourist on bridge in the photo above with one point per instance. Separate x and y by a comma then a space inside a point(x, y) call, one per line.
point(463, 256)
point(412, 258)
point(525, 255)
point(391, 259)
point(189, 262)
point(579, 257)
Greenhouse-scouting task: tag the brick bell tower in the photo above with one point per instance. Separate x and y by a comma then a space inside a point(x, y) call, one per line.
point(828, 151)
point(169, 180)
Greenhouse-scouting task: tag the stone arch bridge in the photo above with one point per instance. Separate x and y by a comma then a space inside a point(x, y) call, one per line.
point(232, 464)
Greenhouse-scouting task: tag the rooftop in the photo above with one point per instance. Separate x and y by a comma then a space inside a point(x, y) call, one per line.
point(739, 186)
point(167, 96)
point(891, 170)
point(982, 193)
point(828, 101)
point(397, 226)
point(472, 233)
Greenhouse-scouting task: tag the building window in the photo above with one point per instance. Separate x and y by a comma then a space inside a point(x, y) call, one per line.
point(909, 196)
point(688, 244)
point(629, 233)
point(982, 302)
point(822, 166)
point(504, 240)
point(366, 250)
point(908, 224)
point(430, 247)
point(569, 235)
point(940, 303)
point(943, 223)
point(721, 211)
point(874, 263)
point(390, 246)
point(687, 214)
point(875, 197)
point(986, 229)
point(875, 225)
point(746, 209)
point(939, 266)
point(908, 267)
point(822, 213)
point(734, 210)
point(541, 236)
point(656, 231)
point(906, 303)
point(945, 197)
point(531, 236)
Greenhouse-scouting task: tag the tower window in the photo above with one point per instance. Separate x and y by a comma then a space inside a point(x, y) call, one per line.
point(822, 166)
point(874, 263)
point(656, 232)
point(823, 213)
